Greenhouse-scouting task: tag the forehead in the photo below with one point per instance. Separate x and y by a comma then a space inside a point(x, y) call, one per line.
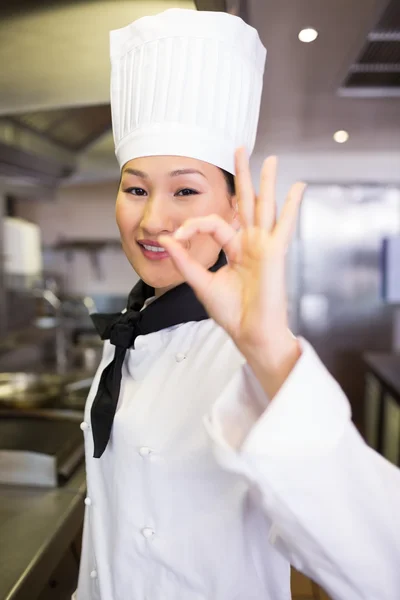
point(166, 164)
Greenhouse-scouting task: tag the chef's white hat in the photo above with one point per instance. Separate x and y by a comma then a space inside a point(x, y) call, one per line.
point(186, 83)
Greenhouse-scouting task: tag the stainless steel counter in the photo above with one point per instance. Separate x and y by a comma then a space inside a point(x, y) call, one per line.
point(382, 404)
point(387, 368)
point(37, 526)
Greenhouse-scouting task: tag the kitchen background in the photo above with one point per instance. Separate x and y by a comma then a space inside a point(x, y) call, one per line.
point(331, 112)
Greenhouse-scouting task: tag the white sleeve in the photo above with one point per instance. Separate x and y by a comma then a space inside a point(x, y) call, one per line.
point(333, 501)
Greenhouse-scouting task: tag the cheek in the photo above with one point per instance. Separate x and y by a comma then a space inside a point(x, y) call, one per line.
point(127, 215)
point(218, 204)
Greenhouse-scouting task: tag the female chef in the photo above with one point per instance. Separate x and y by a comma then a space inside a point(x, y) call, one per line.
point(219, 450)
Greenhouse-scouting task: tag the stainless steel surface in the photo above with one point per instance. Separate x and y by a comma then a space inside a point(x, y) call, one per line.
point(87, 357)
point(66, 318)
point(29, 350)
point(39, 449)
point(3, 296)
point(26, 156)
point(75, 394)
point(60, 331)
point(44, 391)
point(37, 527)
point(75, 399)
point(339, 305)
point(79, 385)
point(27, 469)
point(58, 412)
point(20, 308)
point(29, 390)
point(70, 463)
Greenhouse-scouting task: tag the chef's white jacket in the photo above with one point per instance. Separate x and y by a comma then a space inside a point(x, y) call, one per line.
point(208, 492)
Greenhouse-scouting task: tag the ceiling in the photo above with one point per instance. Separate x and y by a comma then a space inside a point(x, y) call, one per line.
point(54, 55)
point(301, 105)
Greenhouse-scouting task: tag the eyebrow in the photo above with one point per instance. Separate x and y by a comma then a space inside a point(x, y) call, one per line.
point(176, 173)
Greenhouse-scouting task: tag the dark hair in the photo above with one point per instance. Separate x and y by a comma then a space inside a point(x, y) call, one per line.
point(230, 182)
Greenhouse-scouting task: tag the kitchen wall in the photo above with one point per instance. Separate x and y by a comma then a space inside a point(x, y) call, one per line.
point(83, 212)
point(335, 167)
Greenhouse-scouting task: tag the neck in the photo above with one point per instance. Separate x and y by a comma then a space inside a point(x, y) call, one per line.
point(161, 291)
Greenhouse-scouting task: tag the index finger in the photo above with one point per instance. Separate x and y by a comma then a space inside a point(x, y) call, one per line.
point(244, 188)
point(266, 201)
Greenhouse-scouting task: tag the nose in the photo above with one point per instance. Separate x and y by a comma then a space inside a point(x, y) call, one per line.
point(156, 218)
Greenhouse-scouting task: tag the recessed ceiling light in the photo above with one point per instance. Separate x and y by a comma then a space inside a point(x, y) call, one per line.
point(308, 35)
point(341, 136)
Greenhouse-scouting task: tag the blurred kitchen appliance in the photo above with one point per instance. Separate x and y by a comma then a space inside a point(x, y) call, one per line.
point(391, 270)
point(22, 268)
point(23, 263)
point(39, 449)
point(338, 299)
point(29, 390)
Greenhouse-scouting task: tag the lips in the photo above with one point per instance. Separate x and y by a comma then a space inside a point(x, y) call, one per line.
point(152, 250)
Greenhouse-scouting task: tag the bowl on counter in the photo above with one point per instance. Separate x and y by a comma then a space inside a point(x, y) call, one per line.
point(33, 391)
point(29, 390)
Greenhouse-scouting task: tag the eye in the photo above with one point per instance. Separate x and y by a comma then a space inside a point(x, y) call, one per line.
point(135, 191)
point(186, 192)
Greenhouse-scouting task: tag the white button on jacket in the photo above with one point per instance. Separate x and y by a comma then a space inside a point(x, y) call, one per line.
point(148, 532)
point(240, 488)
point(144, 451)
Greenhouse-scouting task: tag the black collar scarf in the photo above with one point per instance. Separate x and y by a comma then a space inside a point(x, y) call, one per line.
point(179, 305)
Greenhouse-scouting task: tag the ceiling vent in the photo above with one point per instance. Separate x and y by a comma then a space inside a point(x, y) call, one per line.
point(376, 73)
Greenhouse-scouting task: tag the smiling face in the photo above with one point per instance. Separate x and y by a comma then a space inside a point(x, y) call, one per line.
point(156, 195)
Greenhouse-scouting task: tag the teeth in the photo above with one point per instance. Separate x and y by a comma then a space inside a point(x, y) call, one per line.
point(154, 248)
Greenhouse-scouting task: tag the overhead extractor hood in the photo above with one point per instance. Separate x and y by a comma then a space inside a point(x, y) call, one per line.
point(43, 148)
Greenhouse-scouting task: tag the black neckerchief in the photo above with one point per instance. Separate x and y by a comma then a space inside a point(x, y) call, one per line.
point(179, 305)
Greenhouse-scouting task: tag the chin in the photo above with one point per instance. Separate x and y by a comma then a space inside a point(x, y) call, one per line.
point(157, 274)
